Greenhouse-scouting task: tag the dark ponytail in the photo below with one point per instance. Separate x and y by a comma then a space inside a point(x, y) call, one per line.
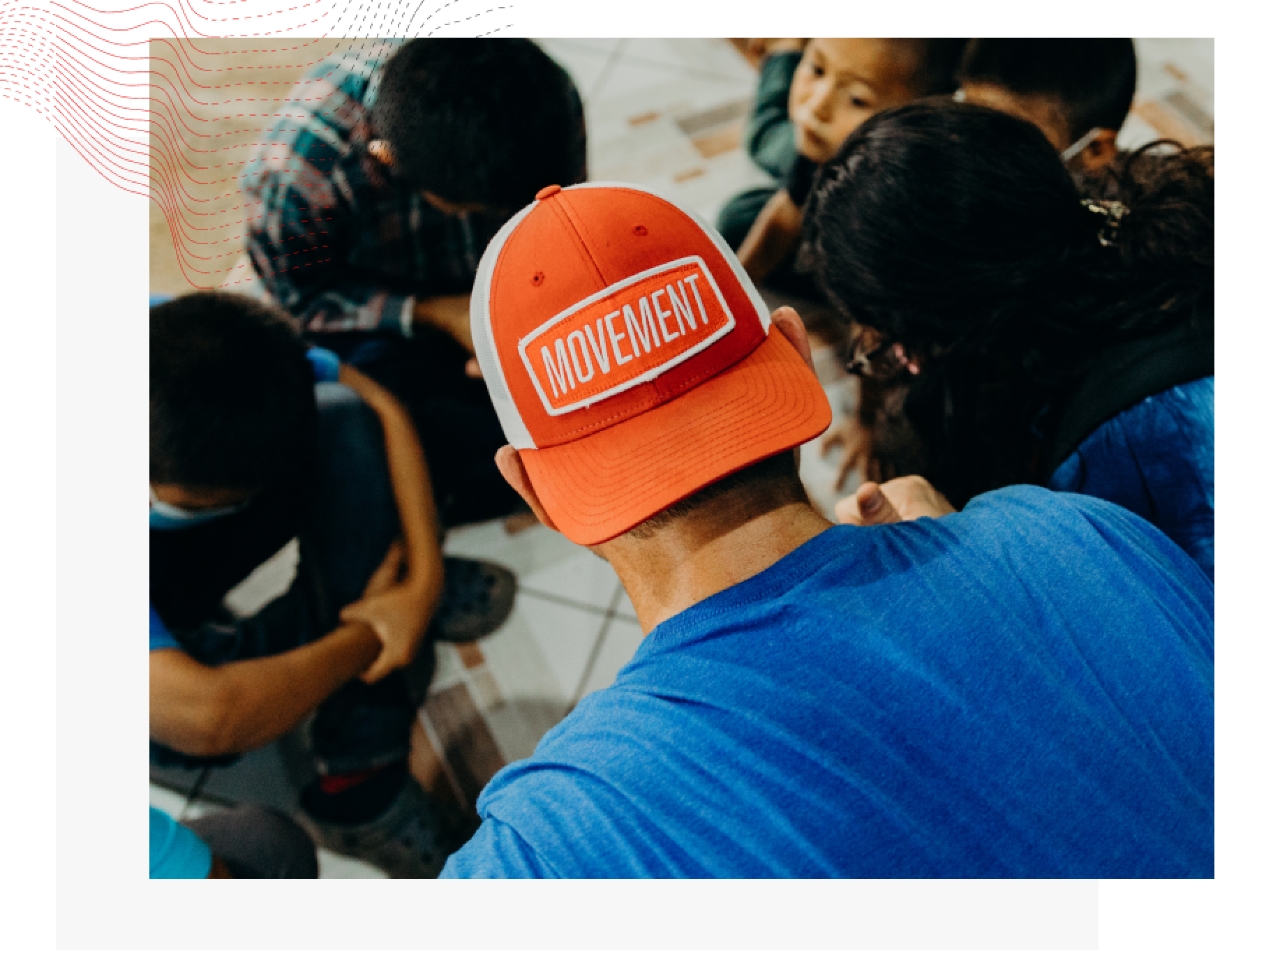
point(956, 231)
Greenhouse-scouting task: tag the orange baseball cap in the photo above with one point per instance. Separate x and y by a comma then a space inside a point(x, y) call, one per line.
point(629, 357)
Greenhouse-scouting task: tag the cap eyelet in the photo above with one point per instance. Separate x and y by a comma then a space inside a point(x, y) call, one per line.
point(538, 278)
point(640, 230)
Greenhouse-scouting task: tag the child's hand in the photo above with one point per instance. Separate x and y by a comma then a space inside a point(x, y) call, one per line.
point(398, 610)
point(898, 500)
point(855, 442)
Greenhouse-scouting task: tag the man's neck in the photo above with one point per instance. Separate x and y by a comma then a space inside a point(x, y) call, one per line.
point(695, 557)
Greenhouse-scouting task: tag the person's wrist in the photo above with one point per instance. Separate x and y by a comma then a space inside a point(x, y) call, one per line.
point(426, 583)
point(366, 640)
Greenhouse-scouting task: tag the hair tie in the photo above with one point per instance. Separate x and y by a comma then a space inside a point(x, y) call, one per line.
point(1111, 211)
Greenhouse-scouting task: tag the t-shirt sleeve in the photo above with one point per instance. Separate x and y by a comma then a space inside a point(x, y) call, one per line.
point(496, 851)
point(161, 637)
point(324, 364)
point(177, 853)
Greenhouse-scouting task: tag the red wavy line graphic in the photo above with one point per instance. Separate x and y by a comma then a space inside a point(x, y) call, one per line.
point(171, 98)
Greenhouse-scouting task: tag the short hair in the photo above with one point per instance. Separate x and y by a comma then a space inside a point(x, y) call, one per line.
point(1092, 78)
point(487, 121)
point(937, 62)
point(771, 482)
point(232, 395)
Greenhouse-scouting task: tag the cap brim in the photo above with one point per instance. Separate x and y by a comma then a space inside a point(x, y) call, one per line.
point(597, 487)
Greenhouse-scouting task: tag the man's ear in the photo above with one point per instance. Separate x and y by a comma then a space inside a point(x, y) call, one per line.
point(1100, 152)
point(380, 150)
point(789, 324)
point(513, 470)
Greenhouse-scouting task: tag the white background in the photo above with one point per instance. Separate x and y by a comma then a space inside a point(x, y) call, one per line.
point(86, 369)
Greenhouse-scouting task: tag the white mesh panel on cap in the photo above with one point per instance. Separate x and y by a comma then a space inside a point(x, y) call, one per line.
point(513, 425)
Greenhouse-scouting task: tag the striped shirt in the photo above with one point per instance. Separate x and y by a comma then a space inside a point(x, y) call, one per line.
point(336, 237)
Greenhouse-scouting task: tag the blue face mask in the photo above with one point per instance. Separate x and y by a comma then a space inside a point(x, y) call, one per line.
point(165, 516)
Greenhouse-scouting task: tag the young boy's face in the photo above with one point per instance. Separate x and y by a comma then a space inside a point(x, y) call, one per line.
point(843, 82)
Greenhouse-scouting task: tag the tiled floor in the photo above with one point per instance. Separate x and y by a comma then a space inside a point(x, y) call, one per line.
point(668, 114)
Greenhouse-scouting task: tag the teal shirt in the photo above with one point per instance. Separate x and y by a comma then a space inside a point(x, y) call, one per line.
point(177, 853)
point(770, 136)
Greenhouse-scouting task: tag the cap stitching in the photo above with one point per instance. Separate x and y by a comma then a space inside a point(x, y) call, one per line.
point(579, 237)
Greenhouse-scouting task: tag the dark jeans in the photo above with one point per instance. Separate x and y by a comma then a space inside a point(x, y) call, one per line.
point(343, 531)
point(452, 413)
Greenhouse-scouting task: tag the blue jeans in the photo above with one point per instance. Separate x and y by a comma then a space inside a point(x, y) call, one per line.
point(344, 529)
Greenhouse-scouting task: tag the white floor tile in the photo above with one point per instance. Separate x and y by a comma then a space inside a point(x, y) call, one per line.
point(267, 582)
point(1190, 56)
point(582, 578)
point(449, 670)
point(585, 61)
point(619, 645)
point(602, 45)
point(522, 552)
point(169, 802)
point(541, 653)
point(710, 56)
point(201, 807)
point(631, 88)
point(334, 866)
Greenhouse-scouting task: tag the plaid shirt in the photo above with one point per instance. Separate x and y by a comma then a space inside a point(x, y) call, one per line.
point(337, 239)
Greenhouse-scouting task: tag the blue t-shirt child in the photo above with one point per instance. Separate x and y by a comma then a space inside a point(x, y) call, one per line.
point(177, 853)
point(1021, 689)
point(324, 367)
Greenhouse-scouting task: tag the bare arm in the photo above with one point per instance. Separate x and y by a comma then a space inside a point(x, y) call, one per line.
point(205, 711)
point(773, 237)
point(410, 480)
point(400, 615)
point(449, 313)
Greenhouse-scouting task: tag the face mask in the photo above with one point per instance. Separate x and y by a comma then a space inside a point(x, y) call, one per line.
point(165, 516)
point(1076, 148)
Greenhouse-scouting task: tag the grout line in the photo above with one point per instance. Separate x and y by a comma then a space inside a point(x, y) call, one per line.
point(605, 72)
point(703, 74)
point(571, 603)
point(609, 617)
point(433, 738)
point(194, 794)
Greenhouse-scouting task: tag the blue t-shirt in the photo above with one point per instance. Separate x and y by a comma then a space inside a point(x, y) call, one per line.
point(1021, 689)
point(1155, 459)
point(161, 637)
point(177, 853)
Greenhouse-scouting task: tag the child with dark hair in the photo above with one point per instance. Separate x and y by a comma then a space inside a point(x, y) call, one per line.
point(390, 169)
point(812, 95)
point(370, 201)
point(1076, 90)
point(1041, 338)
point(256, 441)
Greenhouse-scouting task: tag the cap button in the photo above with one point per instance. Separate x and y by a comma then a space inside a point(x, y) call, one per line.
point(546, 192)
